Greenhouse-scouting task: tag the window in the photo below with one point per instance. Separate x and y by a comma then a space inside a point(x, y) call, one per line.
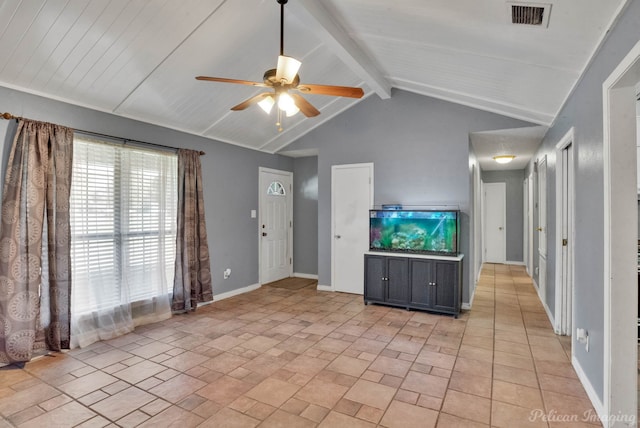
point(123, 225)
point(276, 189)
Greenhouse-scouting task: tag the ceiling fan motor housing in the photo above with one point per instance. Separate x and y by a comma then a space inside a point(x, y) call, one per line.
point(269, 78)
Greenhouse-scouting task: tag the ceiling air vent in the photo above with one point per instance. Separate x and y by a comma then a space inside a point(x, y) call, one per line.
point(529, 14)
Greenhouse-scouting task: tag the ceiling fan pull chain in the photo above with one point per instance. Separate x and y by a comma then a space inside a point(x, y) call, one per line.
point(279, 122)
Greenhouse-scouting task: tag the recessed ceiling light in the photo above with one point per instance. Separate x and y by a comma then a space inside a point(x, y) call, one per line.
point(504, 158)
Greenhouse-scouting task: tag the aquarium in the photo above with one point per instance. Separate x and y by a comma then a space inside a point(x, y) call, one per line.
point(414, 231)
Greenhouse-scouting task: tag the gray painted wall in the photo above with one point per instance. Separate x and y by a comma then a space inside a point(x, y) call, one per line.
point(584, 111)
point(230, 174)
point(305, 215)
point(420, 149)
point(513, 180)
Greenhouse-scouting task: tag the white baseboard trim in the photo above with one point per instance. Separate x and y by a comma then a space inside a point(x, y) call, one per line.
point(514, 263)
point(467, 305)
point(236, 292)
point(305, 275)
point(324, 288)
point(593, 396)
point(544, 304)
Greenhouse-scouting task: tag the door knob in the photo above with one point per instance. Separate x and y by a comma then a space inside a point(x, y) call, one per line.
point(337, 236)
point(539, 229)
point(264, 233)
point(500, 228)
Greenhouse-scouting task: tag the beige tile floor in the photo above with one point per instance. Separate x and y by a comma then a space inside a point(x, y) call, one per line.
point(281, 358)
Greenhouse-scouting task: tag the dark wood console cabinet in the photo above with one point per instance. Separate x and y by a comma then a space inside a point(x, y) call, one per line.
point(431, 283)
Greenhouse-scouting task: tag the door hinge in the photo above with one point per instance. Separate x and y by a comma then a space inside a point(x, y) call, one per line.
point(290, 260)
point(565, 242)
point(290, 224)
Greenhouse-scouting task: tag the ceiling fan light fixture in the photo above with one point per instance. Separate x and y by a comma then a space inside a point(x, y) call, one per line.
point(285, 102)
point(287, 69)
point(504, 158)
point(292, 111)
point(267, 104)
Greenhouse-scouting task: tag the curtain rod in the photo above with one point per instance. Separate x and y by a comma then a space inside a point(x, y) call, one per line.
point(9, 116)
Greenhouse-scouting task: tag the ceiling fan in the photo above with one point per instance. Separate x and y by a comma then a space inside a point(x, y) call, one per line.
point(283, 79)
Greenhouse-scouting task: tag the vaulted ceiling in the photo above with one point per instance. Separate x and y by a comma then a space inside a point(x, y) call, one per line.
point(138, 59)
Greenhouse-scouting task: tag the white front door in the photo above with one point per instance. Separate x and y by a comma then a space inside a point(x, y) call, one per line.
point(494, 222)
point(351, 200)
point(542, 229)
point(275, 230)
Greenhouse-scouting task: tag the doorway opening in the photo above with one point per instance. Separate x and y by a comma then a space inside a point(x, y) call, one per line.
point(620, 237)
point(542, 231)
point(529, 224)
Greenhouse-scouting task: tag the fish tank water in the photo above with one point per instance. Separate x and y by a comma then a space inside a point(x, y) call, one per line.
point(414, 231)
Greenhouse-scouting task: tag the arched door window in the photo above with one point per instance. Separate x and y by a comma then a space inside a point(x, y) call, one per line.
point(276, 189)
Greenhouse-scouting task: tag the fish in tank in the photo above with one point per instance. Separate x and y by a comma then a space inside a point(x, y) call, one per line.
point(414, 231)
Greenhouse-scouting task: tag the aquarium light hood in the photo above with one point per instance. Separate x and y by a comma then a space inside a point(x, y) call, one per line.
point(504, 158)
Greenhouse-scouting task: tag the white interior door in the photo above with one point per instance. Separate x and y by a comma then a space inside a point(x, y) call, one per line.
point(542, 228)
point(565, 297)
point(351, 200)
point(495, 242)
point(276, 222)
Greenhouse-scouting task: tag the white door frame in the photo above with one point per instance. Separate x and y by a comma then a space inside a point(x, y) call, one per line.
point(564, 283)
point(525, 219)
point(542, 196)
point(477, 226)
point(368, 165)
point(289, 200)
point(620, 238)
point(482, 258)
point(530, 228)
point(503, 186)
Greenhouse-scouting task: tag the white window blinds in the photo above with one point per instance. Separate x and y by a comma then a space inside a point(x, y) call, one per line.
point(123, 226)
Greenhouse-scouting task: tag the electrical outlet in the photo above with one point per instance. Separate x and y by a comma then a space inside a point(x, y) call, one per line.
point(227, 273)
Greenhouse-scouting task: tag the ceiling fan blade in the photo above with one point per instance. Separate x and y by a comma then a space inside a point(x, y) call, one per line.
point(225, 80)
point(338, 91)
point(305, 106)
point(243, 105)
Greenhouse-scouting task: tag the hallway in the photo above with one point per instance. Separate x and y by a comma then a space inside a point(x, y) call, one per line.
point(303, 358)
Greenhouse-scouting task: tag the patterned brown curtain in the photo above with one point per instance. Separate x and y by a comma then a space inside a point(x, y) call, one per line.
point(35, 305)
point(192, 281)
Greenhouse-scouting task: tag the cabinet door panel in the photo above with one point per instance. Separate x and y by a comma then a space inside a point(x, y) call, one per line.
point(398, 280)
point(374, 272)
point(445, 290)
point(421, 273)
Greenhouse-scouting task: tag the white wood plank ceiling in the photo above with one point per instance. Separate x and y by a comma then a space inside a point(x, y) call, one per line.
point(138, 59)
